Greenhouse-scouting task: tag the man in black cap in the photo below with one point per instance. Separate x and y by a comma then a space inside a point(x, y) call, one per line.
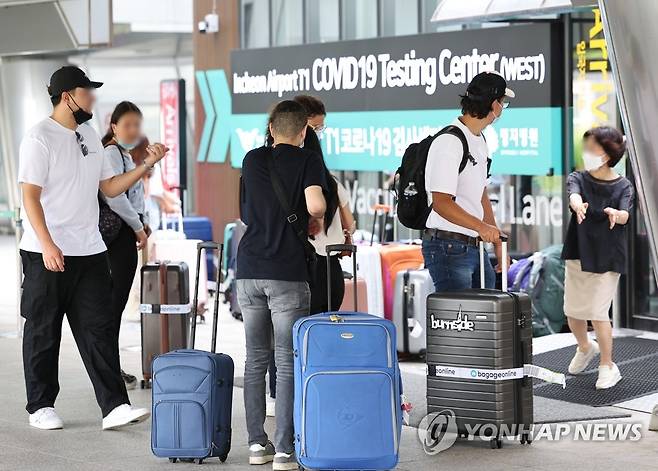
point(61, 168)
point(456, 176)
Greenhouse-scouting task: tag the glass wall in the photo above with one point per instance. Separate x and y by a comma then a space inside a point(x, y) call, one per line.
point(399, 17)
point(255, 23)
point(322, 21)
point(287, 22)
point(359, 19)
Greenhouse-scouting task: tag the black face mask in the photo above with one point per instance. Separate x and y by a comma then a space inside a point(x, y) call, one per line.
point(80, 115)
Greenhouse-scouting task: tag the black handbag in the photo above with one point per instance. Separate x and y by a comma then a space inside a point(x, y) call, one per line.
point(109, 222)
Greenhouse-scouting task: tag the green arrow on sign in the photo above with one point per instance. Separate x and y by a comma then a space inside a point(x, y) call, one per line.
point(209, 109)
point(221, 100)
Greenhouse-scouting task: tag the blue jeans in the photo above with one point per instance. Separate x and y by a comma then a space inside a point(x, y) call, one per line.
point(270, 305)
point(455, 265)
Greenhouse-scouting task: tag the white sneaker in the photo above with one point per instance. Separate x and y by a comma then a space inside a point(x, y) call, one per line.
point(270, 407)
point(46, 419)
point(580, 360)
point(285, 462)
point(124, 414)
point(608, 376)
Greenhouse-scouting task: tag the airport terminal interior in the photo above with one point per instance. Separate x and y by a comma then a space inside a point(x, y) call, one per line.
point(406, 370)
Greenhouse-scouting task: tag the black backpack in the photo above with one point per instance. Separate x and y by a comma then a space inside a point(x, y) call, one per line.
point(412, 207)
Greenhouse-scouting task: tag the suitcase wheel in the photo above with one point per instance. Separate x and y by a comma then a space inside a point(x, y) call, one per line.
point(223, 458)
point(145, 384)
point(526, 439)
point(496, 442)
point(199, 461)
point(173, 460)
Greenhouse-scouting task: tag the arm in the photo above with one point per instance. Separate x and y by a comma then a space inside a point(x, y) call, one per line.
point(315, 203)
point(53, 259)
point(121, 204)
point(445, 206)
point(114, 186)
point(347, 219)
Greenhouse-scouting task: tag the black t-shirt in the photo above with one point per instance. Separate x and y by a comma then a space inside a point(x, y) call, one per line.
point(598, 248)
point(270, 249)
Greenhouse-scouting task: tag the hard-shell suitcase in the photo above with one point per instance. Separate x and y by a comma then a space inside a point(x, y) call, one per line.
point(369, 267)
point(477, 344)
point(184, 250)
point(200, 228)
point(396, 258)
point(347, 401)
point(412, 287)
point(164, 310)
point(361, 292)
point(192, 396)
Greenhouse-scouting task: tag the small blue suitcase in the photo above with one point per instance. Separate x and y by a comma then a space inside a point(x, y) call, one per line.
point(348, 410)
point(192, 396)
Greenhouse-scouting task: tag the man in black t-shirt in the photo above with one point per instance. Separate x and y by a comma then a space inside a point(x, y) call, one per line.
point(272, 276)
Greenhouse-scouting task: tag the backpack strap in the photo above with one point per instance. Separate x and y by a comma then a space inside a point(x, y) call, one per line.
point(459, 134)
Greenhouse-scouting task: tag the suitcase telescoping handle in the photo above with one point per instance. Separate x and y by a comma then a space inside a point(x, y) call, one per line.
point(333, 248)
point(201, 246)
point(503, 238)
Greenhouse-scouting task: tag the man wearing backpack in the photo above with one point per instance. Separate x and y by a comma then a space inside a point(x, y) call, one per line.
point(456, 176)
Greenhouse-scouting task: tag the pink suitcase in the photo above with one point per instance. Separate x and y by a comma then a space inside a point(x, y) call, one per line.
point(361, 292)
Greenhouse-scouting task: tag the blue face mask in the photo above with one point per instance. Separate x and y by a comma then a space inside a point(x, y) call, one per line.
point(127, 145)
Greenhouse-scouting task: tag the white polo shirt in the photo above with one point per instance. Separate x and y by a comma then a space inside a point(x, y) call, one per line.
point(442, 176)
point(50, 157)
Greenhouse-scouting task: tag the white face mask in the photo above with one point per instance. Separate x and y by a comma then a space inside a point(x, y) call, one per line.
point(496, 118)
point(592, 161)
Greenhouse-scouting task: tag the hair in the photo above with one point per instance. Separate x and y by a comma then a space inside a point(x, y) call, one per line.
point(56, 100)
point(121, 109)
point(288, 118)
point(611, 140)
point(476, 107)
point(312, 143)
point(311, 104)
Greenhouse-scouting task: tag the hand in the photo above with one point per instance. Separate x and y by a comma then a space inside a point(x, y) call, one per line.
point(141, 239)
point(314, 226)
point(155, 153)
point(348, 241)
point(489, 233)
point(613, 216)
point(148, 230)
point(580, 210)
point(53, 258)
point(498, 247)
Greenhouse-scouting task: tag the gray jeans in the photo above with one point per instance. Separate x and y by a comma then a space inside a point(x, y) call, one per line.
point(270, 306)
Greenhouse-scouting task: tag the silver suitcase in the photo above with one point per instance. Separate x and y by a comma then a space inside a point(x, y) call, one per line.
point(412, 287)
point(469, 334)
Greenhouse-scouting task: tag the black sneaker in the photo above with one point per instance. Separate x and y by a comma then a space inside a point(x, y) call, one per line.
point(130, 380)
point(259, 454)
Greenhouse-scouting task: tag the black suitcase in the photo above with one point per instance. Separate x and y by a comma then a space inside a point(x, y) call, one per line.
point(477, 344)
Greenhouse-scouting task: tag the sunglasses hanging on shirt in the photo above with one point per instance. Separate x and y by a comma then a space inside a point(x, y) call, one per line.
point(83, 146)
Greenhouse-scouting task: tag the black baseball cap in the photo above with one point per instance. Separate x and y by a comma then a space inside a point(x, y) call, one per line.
point(489, 86)
point(69, 78)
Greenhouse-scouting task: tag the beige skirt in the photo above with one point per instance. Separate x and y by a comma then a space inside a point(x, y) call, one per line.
point(587, 296)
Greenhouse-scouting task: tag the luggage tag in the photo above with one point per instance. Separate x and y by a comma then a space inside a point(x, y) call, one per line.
point(532, 371)
point(406, 409)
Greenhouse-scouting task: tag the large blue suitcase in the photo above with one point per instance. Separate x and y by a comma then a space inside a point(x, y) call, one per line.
point(200, 227)
point(192, 396)
point(348, 411)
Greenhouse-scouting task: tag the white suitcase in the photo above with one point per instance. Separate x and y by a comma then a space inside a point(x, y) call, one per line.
point(412, 287)
point(369, 267)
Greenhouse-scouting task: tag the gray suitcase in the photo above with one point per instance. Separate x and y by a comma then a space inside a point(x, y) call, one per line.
point(163, 284)
point(412, 287)
point(476, 330)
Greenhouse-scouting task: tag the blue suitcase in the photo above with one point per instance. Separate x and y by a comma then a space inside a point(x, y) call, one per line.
point(348, 411)
point(200, 228)
point(192, 396)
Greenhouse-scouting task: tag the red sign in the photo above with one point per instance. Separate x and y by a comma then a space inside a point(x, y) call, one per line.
point(170, 107)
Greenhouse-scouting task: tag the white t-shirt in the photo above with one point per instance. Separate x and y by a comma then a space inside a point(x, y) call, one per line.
point(51, 157)
point(334, 234)
point(442, 176)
